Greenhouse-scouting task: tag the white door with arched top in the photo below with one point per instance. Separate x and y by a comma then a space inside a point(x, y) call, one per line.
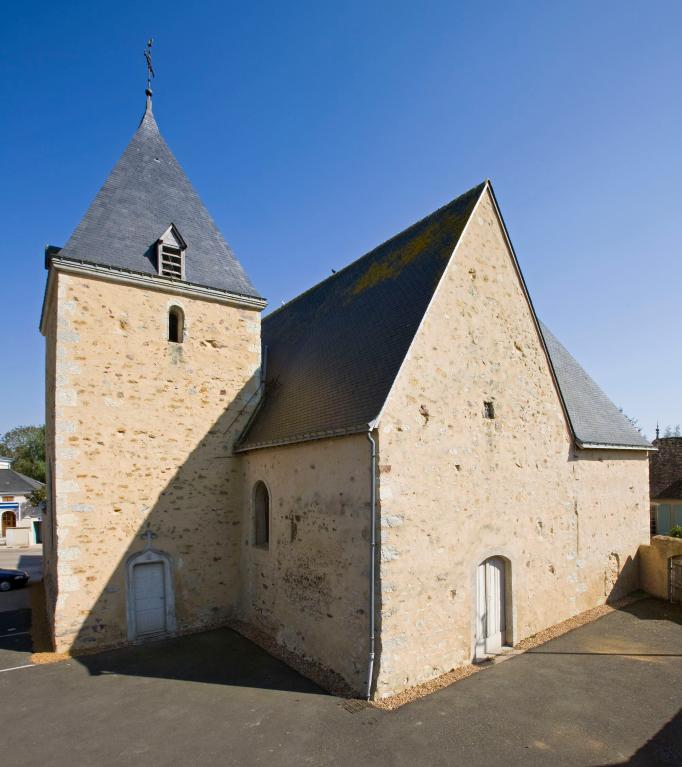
point(490, 607)
point(150, 599)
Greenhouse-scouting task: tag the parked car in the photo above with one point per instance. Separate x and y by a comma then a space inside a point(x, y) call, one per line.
point(13, 579)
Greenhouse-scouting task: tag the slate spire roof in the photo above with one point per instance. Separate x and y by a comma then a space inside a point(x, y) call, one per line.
point(334, 352)
point(145, 193)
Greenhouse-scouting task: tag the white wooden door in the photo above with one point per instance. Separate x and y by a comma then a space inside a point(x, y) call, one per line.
point(150, 598)
point(490, 607)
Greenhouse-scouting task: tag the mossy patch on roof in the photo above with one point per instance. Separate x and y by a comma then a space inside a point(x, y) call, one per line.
point(436, 232)
point(335, 350)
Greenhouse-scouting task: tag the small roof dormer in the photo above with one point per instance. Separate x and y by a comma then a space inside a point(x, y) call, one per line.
point(147, 192)
point(170, 254)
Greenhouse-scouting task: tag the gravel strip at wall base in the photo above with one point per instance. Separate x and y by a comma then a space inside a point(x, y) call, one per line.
point(461, 672)
point(323, 677)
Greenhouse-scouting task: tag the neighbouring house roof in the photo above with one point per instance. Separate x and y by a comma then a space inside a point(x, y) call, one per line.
point(13, 483)
point(145, 193)
point(672, 492)
point(333, 353)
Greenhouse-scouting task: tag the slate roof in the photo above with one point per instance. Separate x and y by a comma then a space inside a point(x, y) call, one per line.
point(13, 483)
point(146, 192)
point(594, 418)
point(334, 352)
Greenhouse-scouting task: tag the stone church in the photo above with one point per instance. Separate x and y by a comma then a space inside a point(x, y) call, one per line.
point(397, 472)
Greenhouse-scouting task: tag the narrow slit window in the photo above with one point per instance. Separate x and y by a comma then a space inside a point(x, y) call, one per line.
point(488, 410)
point(261, 512)
point(176, 325)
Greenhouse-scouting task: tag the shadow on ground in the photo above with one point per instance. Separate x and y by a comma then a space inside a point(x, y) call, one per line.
point(215, 698)
point(642, 644)
point(15, 627)
point(654, 609)
point(221, 656)
point(663, 750)
point(33, 564)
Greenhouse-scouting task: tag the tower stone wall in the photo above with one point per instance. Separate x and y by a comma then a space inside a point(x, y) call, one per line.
point(140, 433)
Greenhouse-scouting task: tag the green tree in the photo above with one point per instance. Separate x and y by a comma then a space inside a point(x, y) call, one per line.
point(38, 497)
point(25, 445)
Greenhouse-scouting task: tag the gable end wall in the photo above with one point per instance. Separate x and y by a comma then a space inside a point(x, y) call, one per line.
point(457, 488)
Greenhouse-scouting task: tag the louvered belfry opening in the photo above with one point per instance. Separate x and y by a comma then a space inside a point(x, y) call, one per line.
point(171, 261)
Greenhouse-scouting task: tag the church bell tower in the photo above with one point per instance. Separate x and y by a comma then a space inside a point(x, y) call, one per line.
point(152, 332)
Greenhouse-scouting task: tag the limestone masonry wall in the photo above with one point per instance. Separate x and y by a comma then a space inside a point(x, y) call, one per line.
point(655, 564)
point(140, 434)
point(309, 588)
point(142, 438)
point(49, 519)
point(457, 487)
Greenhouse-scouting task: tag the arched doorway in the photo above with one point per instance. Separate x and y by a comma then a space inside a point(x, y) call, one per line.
point(150, 597)
point(9, 519)
point(491, 606)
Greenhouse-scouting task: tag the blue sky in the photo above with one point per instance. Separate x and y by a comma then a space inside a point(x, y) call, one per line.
point(314, 131)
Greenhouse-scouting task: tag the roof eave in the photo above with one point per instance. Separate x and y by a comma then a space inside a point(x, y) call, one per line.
point(299, 438)
point(606, 446)
point(146, 280)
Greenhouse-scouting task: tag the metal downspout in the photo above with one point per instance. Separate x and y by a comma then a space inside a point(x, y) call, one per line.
point(372, 562)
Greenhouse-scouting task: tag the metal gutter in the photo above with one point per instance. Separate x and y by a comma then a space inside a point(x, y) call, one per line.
point(298, 438)
point(260, 393)
point(599, 446)
point(372, 560)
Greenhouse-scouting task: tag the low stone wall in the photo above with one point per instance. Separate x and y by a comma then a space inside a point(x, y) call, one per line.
point(18, 537)
point(653, 564)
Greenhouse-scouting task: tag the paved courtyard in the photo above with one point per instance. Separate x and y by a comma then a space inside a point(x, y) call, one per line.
point(609, 693)
point(15, 607)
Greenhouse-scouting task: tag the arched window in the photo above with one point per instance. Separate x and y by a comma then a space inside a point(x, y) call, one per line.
point(261, 514)
point(176, 325)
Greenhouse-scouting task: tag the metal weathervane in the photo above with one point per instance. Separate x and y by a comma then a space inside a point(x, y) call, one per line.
point(150, 70)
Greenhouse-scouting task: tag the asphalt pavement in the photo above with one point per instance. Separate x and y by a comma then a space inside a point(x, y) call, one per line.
point(15, 606)
point(607, 693)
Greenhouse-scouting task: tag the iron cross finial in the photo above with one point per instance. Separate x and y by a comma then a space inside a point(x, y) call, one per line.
point(150, 69)
point(148, 536)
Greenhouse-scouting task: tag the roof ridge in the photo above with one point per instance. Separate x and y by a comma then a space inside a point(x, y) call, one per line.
point(334, 353)
point(371, 252)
